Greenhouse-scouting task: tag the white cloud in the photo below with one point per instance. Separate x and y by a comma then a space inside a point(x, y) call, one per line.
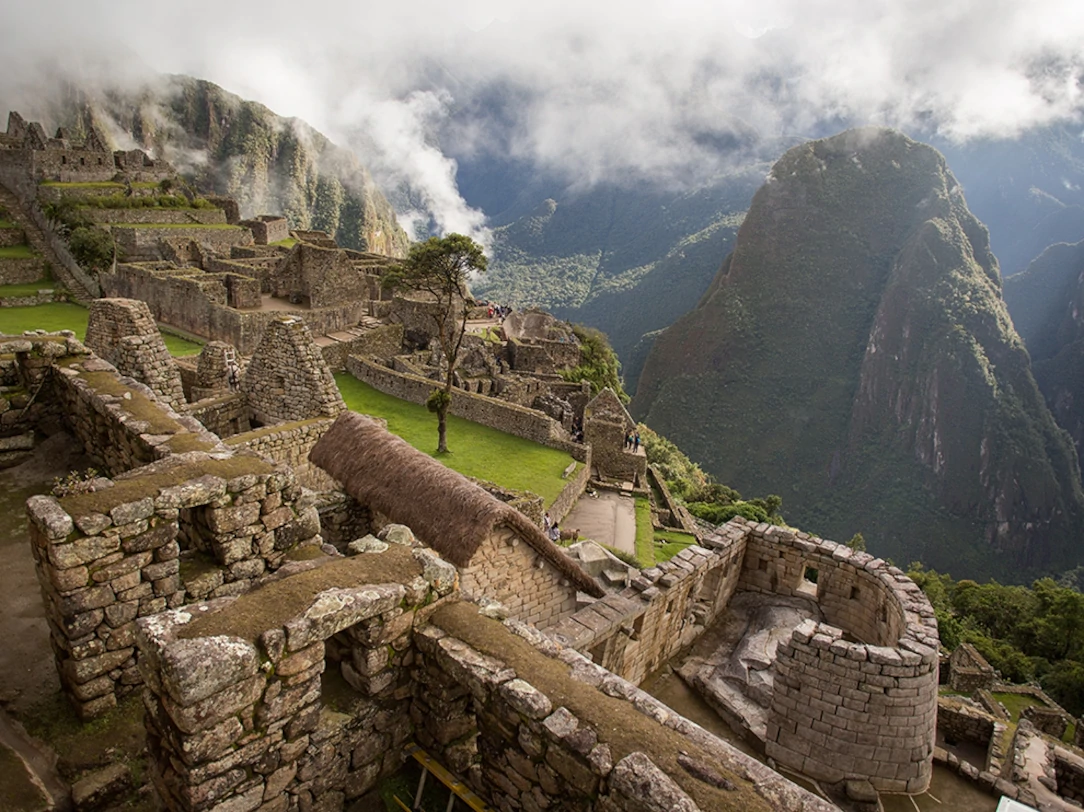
point(628, 90)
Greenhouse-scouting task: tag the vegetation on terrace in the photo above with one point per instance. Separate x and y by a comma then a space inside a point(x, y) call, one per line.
point(1026, 633)
point(26, 288)
point(478, 451)
point(63, 316)
point(23, 251)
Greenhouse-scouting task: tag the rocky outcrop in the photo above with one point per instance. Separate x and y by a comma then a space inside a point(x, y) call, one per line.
point(854, 354)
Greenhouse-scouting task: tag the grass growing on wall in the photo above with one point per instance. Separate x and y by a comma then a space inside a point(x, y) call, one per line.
point(476, 450)
point(671, 542)
point(63, 316)
point(289, 242)
point(18, 252)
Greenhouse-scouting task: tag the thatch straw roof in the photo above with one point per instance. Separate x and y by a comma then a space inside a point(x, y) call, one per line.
point(444, 509)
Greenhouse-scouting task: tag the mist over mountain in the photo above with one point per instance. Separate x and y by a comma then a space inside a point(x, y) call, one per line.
point(230, 146)
point(855, 353)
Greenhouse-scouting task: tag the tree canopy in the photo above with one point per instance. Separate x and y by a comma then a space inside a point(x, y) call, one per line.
point(440, 269)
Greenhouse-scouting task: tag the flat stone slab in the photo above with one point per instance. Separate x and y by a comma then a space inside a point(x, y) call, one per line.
point(608, 518)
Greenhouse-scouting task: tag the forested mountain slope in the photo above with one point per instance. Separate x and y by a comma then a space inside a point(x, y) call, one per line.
point(1047, 307)
point(855, 356)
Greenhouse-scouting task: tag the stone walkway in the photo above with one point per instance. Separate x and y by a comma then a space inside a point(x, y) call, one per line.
point(608, 518)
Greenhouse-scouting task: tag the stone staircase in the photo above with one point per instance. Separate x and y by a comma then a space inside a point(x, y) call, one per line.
point(37, 241)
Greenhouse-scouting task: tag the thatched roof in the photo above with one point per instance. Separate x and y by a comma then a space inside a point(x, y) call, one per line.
point(444, 509)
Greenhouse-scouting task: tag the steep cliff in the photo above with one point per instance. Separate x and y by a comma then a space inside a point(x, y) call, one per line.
point(239, 148)
point(854, 355)
point(1047, 306)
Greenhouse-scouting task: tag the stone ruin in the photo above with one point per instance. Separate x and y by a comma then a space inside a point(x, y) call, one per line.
point(26, 149)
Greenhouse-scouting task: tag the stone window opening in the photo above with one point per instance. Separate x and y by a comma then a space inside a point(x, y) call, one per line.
point(637, 627)
point(762, 565)
point(63, 159)
point(82, 161)
point(598, 653)
point(855, 592)
point(808, 584)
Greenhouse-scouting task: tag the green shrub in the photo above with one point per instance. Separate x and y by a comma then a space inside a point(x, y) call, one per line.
point(92, 247)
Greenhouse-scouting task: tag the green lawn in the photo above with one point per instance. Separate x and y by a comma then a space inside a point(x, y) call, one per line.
point(670, 543)
point(289, 242)
point(63, 316)
point(476, 450)
point(645, 534)
point(26, 288)
point(50, 317)
point(18, 252)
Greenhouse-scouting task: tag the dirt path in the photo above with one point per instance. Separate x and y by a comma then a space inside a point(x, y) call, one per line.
point(609, 519)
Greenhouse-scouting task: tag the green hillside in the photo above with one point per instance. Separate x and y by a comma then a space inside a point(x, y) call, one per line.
point(626, 261)
point(854, 355)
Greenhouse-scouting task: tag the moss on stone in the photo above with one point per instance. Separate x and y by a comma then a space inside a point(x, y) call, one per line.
point(139, 486)
point(270, 606)
point(618, 724)
point(189, 441)
point(266, 431)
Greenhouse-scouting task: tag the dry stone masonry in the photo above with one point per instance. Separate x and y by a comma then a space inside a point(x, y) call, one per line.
point(855, 697)
point(287, 378)
point(123, 332)
point(310, 703)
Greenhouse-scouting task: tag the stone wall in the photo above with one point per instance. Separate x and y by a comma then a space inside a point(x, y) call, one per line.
point(318, 277)
point(144, 214)
point(196, 303)
point(510, 571)
point(666, 608)
point(287, 378)
point(843, 708)
point(10, 236)
point(382, 342)
point(518, 420)
point(224, 415)
point(525, 731)
point(543, 356)
point(108, 557)
point(572, 491)
point(44, 296)
point(1069, 774)
point(969, 671)
point(839, 709)
point(959, 722)
point(142, 241)
point(21, 271)
point(268, 228)
point(290, 444)
point(245, 736)
point(123, 332)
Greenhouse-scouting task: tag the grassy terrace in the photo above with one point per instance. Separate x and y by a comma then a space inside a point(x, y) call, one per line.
point(105, 184)
point(18, 252)
point(219, 226)
point(62, 316)
point(289, 242)
point(26, 288)
point(476, 450)
point(8, 223)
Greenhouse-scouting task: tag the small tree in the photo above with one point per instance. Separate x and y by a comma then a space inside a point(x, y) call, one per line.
point(440, 268)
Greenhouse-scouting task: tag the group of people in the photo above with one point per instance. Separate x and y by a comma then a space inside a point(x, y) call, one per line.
point(498, 311)
point(577, 429)
point(632, 440)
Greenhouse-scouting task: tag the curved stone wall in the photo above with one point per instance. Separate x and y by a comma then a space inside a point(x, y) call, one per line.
point(855, 696)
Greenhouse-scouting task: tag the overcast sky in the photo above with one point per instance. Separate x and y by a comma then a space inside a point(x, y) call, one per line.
point(604, 90)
